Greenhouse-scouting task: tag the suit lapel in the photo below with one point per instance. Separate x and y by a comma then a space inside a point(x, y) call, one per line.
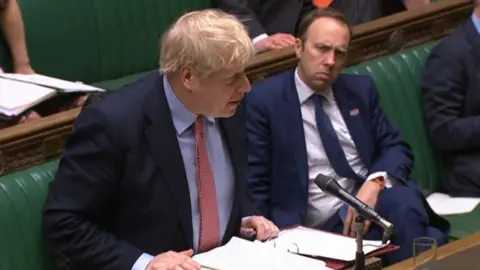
point(233, 131)
point(351, 110)
point(162, 138)
point(291, 114)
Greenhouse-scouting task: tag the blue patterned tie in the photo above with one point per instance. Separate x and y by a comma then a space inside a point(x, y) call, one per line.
point(330, 141)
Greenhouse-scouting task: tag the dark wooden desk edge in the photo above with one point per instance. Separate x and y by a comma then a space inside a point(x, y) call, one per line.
point(40, 125)
point(444, 251)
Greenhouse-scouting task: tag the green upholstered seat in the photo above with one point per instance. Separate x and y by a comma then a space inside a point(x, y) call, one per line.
point(397, 78)
point(97, 40)
point(117, 83)
point(22, 196)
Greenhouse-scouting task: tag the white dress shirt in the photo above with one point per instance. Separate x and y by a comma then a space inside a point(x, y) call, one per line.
point(322, 206)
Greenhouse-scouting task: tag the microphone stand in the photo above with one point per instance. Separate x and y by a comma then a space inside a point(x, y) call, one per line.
point(359, 226)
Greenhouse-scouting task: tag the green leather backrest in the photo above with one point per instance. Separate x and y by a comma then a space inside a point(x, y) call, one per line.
point(397, 78)
point(22, 197)
point(129, 32)
point(61, 38)
point(97, 40)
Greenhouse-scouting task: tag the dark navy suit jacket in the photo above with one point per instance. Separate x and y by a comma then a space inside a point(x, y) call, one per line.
point(451, 96)
point(278, 167)
point(121, 188)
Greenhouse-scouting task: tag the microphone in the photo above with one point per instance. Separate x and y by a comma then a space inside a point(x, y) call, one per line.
point(330, 186)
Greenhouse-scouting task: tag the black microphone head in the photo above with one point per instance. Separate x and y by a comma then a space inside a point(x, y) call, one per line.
point(326, 184)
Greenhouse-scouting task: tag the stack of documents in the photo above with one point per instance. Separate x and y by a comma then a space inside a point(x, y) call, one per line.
point(315, 243)
point(58, 84)
point(285, 252)
point(20, 92)
point(17, 97)
point(240, 254)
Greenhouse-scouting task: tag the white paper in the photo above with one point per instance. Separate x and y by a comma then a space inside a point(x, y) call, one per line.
point(443, 204)
point(16, 97)
point(318, 243)
point(59, 84)
point(240, 254)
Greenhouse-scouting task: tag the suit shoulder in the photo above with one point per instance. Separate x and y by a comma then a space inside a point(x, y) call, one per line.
point(123, 107)
point(355, 82)
point(454, 45)
point(271, 87)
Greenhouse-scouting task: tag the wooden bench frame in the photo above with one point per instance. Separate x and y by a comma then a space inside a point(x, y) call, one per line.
point(40, 141)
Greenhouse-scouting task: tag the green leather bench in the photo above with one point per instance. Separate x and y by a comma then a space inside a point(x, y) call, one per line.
point(398, 78)
point(102, 42)
point(22, 194)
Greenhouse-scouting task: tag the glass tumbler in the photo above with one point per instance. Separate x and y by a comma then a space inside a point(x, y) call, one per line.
point(424, 253)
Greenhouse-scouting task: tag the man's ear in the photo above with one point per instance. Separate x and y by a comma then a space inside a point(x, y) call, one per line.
point(189, 78)
point(298, 47)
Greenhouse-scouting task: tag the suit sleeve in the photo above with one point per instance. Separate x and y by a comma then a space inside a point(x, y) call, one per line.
point(244, 11)
point(392, 154)
point(82, 194)
point(443, 85)
point(259, 154)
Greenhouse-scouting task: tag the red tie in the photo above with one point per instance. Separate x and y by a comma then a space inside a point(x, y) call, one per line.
point(209, 219)
point(322, 3)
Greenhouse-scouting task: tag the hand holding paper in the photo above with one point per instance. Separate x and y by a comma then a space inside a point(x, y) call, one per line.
point(259, 228)
point(174, 260)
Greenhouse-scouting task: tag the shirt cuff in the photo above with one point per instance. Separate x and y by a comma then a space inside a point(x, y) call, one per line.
point(259, 38)
point(142, 262)
point(389, 182)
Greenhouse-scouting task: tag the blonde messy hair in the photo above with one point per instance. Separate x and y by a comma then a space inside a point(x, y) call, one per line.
point(206, 41)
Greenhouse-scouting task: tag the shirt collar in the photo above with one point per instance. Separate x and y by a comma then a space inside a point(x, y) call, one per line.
point(305, 92)
point(182, 117)
point(476, 22)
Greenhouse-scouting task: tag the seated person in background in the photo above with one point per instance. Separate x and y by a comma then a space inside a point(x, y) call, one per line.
point(11, 24)
point(156, 171)
point(451, 99)
point(314, 120)
point(272, 23)
point(12, 27)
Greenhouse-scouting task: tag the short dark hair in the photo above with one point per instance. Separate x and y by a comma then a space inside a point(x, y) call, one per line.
point(318, 13)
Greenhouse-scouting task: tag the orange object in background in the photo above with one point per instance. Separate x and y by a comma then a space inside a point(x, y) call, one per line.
point(322, 3)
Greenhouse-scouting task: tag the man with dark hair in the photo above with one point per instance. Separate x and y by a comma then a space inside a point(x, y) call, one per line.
point(272, 23)
point(452, 105)
point(313, 120)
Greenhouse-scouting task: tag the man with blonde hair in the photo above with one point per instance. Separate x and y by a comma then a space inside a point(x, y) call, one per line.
point(156, 171)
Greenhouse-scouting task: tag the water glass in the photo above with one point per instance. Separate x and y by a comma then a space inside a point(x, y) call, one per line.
point(424, 253)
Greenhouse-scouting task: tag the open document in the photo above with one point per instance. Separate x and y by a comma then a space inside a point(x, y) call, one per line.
point(317, 243)
point(17, 97)
point(59, 84)
point(240, 254)
point(443, 204)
